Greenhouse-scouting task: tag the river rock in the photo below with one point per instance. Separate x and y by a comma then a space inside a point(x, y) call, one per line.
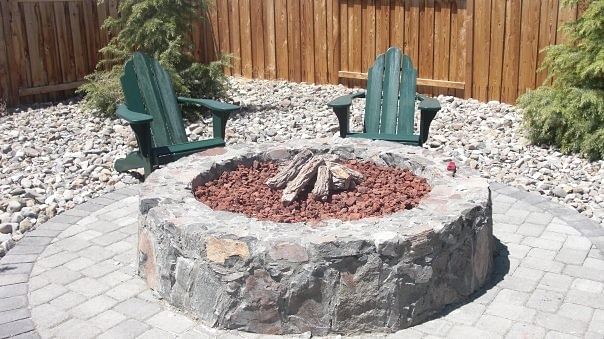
point(25, 225)
point(6, 228)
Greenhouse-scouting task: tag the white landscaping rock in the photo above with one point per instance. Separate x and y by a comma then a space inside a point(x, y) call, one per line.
point(53, 157)
point(44, 155)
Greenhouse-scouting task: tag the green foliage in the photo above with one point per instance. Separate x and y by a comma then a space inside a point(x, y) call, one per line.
point(569, 113)
point(103, 91)
point(159, 28)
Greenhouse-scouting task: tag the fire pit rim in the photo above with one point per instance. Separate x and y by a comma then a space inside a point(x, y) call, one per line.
point(179, 179)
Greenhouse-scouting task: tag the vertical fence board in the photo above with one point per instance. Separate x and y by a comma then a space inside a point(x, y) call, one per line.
point(19, 48)
point(210, 22)
point(76, 39)
point(496, 51)
point(235, 36)
point(354, 42)
point(367, 35)
point(482, 14)
point(224, 41)
point(268, 16)
point(412, 23)
point(442, 42)
point(247, 43)
point(565, 14)
point(547, 34)
point(102, 14)
point(256, 19)
point(293, 40)
point(281, 43)
point(457, 46)
point(198, 41)
point(344, 46)
point(37, 74)
point(6, 88)
point(67, 62)
point(511, 49)
point(468, 28)
point(307, 41)
point(397, 24)
point(90, 29)
point(530, 45)
point(425, 61)
point(333, 41)
point(320, 41)
point(48, 48)
point(382, 26)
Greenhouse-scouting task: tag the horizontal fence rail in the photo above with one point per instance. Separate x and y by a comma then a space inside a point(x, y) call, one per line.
point(485, 49)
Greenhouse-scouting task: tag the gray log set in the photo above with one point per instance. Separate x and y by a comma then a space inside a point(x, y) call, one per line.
point(328, 175)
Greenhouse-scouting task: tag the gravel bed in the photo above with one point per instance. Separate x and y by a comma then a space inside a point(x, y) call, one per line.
point(53, 157)
point(382, 190)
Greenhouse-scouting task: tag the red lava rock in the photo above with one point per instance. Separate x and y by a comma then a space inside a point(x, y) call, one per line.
point(385, 190)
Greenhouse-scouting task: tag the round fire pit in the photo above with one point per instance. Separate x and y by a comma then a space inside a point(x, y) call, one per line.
point(374, 274)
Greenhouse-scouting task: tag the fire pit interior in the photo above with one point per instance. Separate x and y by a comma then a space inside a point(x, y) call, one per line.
point(365, 236)
point(371, 190)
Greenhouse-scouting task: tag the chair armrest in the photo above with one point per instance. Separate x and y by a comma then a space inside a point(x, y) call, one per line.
point(212, 105)
point(427, 104)
point(134, 118)
point(345, 100)
point(360, 94)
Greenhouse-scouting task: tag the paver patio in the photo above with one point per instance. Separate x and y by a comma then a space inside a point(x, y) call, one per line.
point(74, 277)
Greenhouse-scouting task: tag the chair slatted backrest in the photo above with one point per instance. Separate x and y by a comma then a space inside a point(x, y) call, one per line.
point(148, 89)
point(391, 85)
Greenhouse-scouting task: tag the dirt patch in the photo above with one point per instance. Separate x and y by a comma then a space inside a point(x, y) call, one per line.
point(383, 191)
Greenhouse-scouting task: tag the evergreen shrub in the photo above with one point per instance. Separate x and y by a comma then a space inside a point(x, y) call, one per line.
point(569, 113)
point(160, 28)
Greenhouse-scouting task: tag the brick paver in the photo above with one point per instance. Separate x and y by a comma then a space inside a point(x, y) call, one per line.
point(74, 277)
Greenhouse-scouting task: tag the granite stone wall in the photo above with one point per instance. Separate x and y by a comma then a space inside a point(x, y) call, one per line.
point(370, 275)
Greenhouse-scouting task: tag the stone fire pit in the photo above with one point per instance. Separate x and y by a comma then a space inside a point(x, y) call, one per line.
point(377, 274)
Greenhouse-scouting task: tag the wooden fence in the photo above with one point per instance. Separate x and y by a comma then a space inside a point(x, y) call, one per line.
point(485, 49)
point(50, 46)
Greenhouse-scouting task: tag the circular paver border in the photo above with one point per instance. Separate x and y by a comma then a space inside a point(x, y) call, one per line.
point(16, 266)
point(586, 226)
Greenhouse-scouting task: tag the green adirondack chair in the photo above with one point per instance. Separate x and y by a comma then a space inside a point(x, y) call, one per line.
point(153, 111)
point(390, 103)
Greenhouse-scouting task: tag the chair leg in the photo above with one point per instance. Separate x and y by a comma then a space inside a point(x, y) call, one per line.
point(342, 113)
point(219, 121)
point(131, 161)
point(145, 144)
point(426, 118)
point(148, 167)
